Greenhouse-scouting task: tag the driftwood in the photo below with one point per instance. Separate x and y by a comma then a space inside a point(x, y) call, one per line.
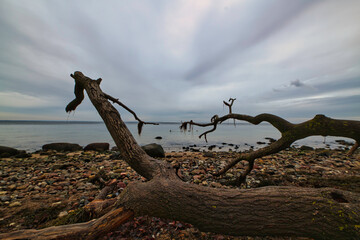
point(268, 211)
point(319, 125)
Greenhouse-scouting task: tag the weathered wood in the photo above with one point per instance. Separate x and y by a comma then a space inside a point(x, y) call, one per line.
point(89, 230)
point(268, 211)
point(131, 152)
point(319, 125)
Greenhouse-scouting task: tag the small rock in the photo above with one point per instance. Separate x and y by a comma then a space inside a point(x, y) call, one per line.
point(63, 214)
point(15, 204)
point(100, 147)
point(55, 204)
point(215, 184)
point(205, 183)
point(5, 198)
point(306, 148)
point(229, 175)
point(158, 137)
point(154, 150)
point(12, 187)
point(71, 147)
point(8, 151)
point(208, 154)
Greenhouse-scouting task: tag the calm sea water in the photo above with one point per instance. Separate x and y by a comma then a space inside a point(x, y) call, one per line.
point(31, 135)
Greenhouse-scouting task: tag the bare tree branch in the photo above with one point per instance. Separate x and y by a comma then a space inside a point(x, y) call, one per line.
point(319, 125)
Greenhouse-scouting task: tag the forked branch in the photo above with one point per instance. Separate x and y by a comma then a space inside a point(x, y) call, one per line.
point(319, 125)
point(79, 96)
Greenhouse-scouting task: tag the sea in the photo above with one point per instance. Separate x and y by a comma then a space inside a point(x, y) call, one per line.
point(32, 135)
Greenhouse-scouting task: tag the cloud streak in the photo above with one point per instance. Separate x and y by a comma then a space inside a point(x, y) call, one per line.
point(175, 59)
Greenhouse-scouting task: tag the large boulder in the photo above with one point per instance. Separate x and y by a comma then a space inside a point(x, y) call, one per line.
point(100, 147)
point(154, 150)
point(8, 151)
point(66, 147)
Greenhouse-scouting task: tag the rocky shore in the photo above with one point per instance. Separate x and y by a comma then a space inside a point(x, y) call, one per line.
point(40, 187)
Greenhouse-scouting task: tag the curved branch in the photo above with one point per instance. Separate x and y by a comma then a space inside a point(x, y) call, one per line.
point(319, 125)
point(131, 152)
point(141, 123)
point(91, 230)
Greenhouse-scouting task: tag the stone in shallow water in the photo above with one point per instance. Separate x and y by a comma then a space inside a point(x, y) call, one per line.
point(154, 150)
point(71, 147)
point(100, 147)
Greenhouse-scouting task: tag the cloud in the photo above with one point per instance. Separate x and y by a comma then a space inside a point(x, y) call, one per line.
point(19, 100)
point(223, 36)
point(169, 59)
point(297, 83)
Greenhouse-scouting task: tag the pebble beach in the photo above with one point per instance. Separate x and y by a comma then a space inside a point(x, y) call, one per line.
point(38, 189)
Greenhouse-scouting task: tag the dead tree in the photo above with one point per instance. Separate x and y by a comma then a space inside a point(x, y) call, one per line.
point(269, 211)
point(319, 125)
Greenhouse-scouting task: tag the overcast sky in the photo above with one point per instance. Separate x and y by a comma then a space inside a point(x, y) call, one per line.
point(178, 60)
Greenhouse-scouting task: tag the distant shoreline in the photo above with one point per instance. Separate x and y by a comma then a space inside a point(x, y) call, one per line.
point(50, 122)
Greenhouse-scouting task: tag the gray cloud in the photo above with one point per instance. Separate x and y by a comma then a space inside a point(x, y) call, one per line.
point(297, 83)
point(219, 42)
point(173, 59)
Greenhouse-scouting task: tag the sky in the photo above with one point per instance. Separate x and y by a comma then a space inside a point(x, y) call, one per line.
point(178, 60)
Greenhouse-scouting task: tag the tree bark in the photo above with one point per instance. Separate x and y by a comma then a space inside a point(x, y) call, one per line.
point(89, 230)
point(268, 211)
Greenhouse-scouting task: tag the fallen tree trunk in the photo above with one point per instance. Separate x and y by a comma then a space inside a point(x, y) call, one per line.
point(268, 211)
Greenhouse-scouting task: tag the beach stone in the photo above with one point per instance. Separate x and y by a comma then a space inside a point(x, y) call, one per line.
point(215, 184)
point(271, 140)
point(12, 187)
point(63, 214)
point(71, 147)
point(306, 148)
point(208, 154)
point(154, 150)
point(5, 198)
point(100, 147)
point(8, 151)
point(15, 204)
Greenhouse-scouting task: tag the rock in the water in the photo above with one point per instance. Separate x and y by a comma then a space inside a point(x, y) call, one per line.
point(71, 147)
point(306, 148)
point(8, 151)
point(271, 140)
point(154, 150)
point(158, 138)
point(100, 147)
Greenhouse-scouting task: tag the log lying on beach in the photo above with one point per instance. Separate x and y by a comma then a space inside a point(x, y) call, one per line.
point(268, 211)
